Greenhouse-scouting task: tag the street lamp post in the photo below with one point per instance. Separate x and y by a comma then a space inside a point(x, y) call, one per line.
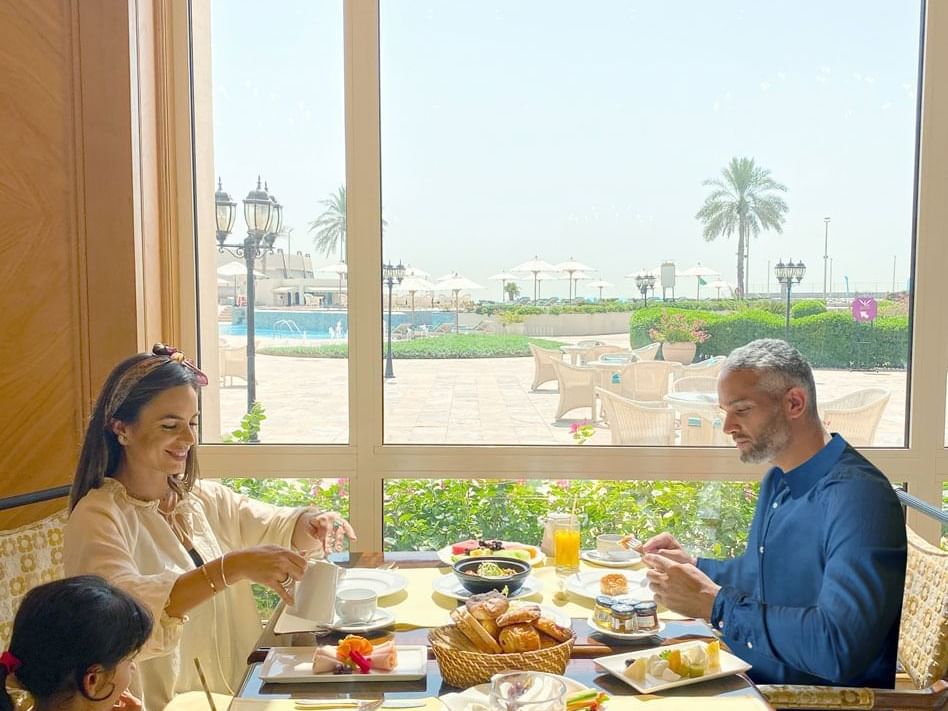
point(391, 275)
point(644, 282)
point(264, 217)
point(788, 274)
point(826, 232)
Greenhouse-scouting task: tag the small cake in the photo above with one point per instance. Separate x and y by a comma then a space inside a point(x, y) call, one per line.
point(614, 584)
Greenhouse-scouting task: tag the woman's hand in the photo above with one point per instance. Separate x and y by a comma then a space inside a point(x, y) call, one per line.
point(325, 529)
point(127, 701)
point(274, 566)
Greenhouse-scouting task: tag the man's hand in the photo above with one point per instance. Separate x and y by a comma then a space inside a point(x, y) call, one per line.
point(680, 587)
point(665, 545)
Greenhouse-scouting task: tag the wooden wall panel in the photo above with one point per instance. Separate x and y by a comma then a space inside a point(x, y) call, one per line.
point(41, 380)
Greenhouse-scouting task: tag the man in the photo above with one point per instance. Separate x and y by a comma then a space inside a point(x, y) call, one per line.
point(816, 597)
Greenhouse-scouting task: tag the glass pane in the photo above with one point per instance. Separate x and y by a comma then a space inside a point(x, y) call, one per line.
point(324, 494)
point(278, 113)
point(709, 518)
point(560, 199)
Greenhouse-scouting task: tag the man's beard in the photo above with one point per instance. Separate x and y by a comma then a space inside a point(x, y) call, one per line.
point(769, 443)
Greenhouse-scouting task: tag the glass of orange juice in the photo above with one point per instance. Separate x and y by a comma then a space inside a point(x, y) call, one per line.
point(566, 545)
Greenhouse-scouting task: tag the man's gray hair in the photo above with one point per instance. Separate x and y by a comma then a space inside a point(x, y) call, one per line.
point(780, 366)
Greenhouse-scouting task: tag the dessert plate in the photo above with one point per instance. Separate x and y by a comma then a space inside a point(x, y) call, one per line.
point(596, 558)
point(586, 585)
point(616, 665)
point(287, 665)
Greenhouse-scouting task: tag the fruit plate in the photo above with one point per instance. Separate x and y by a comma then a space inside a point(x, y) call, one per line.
point(450, 586)
point(290, 665)
point(596, 558)
point(480, 694)
point(586, 584)
point(615, 665)
point(537, 558)
point(594, 626)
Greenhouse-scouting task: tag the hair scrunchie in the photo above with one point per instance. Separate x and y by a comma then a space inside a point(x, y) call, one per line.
point(10, 662)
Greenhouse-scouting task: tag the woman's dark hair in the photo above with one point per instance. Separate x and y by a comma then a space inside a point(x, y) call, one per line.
point(65, 627)
point(101, 452)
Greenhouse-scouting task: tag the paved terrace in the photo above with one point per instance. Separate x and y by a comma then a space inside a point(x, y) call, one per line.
point(473, 401)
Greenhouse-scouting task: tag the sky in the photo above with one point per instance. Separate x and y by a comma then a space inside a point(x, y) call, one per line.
point(585, 130)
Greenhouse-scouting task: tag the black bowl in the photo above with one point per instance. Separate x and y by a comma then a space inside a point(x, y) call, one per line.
point(466, 572)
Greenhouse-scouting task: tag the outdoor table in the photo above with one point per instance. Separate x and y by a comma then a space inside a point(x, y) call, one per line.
point(703, 404)
point(574, 353)
point(588, 646)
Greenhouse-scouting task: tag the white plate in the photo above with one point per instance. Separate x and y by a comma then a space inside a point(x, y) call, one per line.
point(444, 555)
point(594, 626)
point(587, 585)
point(286, 665)
point(290, 623)
point(615, 665)
point(596, 558)
point(381, 582)
point(449, 585)
point(479, 694)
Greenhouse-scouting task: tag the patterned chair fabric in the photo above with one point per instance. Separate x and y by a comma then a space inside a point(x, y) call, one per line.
point(29, 555)
point(923, 636)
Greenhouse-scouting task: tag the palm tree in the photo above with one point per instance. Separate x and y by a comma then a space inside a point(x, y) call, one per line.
point(743, 200)
point(513, 291)
point(330, 226)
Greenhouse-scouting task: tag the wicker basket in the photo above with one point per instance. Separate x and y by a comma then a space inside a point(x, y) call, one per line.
point(463, 666)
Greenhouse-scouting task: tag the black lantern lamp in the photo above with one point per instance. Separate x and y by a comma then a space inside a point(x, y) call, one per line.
point(789, 274)
point(645, 281)
point(391, 275)
point(226, 212)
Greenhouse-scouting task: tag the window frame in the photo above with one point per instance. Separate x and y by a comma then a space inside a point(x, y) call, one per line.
point(367, 460)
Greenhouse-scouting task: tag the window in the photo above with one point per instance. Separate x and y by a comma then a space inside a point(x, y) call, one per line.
point(546, 174)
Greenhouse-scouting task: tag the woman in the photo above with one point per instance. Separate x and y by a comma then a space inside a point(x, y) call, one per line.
point(72, 646)
point(188, 549)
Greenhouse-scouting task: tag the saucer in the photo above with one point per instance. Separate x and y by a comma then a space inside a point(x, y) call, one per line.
point(596, 558)
point(382, 618)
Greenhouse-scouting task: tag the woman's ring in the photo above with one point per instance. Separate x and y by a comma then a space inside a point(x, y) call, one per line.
point(285, 583)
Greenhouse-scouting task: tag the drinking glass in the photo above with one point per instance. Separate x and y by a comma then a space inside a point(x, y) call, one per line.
point(527, 691)
point(566, 545)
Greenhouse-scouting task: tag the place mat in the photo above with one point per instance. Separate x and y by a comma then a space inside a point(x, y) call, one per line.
point(431, 704)
point(197, 701)
point(653, 702)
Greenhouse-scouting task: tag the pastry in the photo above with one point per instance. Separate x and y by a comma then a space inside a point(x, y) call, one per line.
point(491, 627)
point(546, 641)
point(549, 627)
point(474, 631)
point(519, 615)
point(487, 606)
point(519, 638)
point(614, 584)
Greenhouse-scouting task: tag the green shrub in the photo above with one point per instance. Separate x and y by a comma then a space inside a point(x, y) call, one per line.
point(828, 340)
point(450, 345)
point(807, 307)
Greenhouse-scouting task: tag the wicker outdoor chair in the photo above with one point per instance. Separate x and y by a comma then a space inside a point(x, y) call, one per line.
point(649, 380)
point(647, 352)
point(856, 415)
point(694, 384)
point(643, 423)
point(543, 360)
point(709, 368)
point(577, 388)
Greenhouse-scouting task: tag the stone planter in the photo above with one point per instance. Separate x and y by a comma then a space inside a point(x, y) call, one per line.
point(682, 353)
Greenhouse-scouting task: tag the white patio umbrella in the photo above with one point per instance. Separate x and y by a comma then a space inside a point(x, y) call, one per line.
point(456, 283)
point(413, 284)
point(699, 272)
point(339, 268)
point(721, 284)
point(411, 271)
point(546, 276)
point(237, 270)
point(600, 284)
point(570, 267)
point(503, 278)
point(534, 267)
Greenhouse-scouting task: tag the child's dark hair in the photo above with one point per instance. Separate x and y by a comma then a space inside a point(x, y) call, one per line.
point(67, 626)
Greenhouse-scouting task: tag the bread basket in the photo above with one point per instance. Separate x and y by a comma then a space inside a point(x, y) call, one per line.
point(462, 665)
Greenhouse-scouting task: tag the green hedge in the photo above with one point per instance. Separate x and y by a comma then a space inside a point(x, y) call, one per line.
point(599, 307)
point(807, 307)
point(451, 345)
point(828, 340)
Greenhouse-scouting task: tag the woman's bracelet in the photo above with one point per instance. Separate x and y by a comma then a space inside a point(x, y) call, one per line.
point(224, 577)
point(207, 577)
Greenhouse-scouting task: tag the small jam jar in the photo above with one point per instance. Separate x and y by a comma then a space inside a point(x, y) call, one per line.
point(622, 618)
point(646, 616)
point(603, 610)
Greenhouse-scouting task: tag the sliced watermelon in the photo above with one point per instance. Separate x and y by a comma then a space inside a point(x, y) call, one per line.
point(464, 546)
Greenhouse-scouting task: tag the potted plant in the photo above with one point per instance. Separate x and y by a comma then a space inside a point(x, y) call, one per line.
point(679, 336)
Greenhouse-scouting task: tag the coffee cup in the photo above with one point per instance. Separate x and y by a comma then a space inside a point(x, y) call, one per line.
point(607, 542)
point(315, 595)
point(356, 604)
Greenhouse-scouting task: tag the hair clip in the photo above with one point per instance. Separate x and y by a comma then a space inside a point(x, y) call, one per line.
point(178, 357)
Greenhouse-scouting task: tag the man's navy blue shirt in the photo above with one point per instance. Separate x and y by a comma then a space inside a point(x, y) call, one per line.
point(817, 595)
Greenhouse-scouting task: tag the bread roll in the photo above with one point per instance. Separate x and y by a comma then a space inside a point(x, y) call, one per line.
point(519, 615)
point(487, 606)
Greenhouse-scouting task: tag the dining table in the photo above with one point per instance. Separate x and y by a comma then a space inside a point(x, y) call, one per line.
point(418, 607)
